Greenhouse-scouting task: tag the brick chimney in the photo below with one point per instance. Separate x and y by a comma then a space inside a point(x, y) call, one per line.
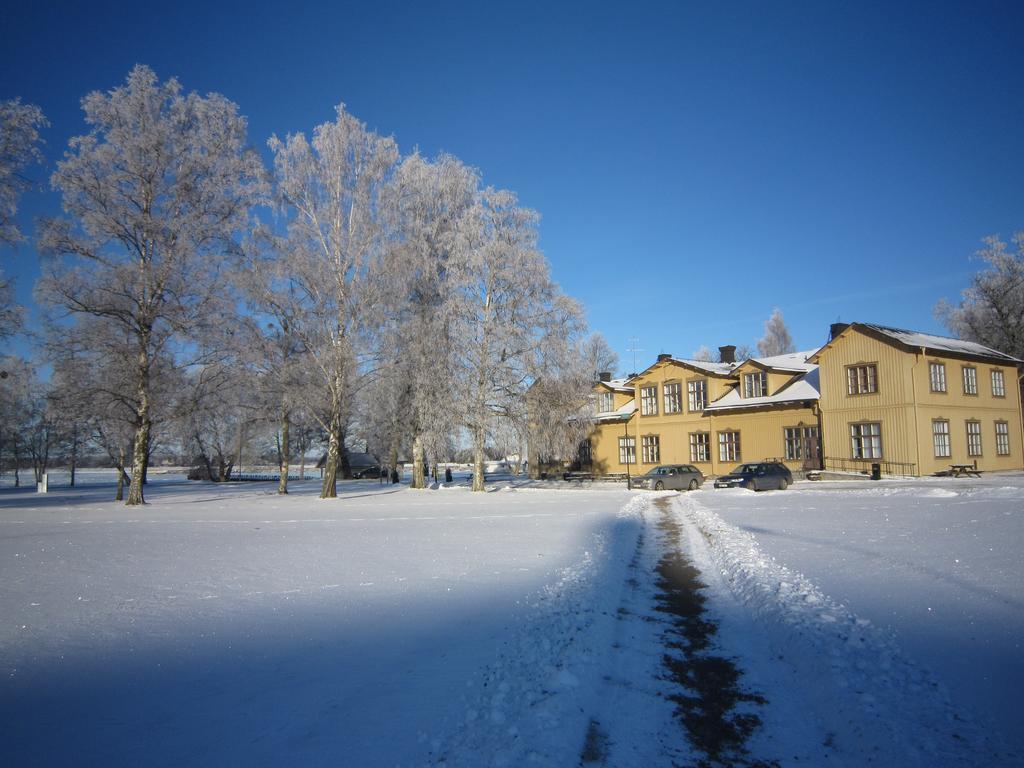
point(835, 329)
point(727, 354)
point(604, 376)
point(664, 356)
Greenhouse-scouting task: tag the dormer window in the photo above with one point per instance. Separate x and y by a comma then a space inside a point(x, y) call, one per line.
point(606, 402)
point(755, 384)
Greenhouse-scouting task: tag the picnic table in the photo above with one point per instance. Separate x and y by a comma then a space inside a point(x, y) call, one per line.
point(964, 470)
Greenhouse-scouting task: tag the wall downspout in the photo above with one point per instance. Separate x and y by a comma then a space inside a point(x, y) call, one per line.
point(917, 426)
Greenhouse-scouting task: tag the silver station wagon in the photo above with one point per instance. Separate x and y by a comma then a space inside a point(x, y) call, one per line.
point(671, 477)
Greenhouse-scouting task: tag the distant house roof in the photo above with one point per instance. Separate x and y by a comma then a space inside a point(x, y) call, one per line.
point(912, 340)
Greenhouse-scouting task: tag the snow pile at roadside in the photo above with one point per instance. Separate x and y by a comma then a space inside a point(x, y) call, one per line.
point(865, 701)
point(538, 695)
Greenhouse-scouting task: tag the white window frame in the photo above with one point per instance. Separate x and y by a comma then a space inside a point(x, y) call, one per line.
point(649, 400)
point(627, 450)
point(970, 377)
point(650, 449)
point(697, 395)
point(606, 402)
point(1002, 438)
point(862, 379)
point(866, 440)
point(672, 394)
point(941, 443)
point(729, 446)
point(755, 384)
point(700, 447)
point(937, 376)
point(998, 383)
point(973, 438)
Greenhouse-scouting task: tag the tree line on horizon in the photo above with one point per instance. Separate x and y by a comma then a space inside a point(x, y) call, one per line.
point(345, 294)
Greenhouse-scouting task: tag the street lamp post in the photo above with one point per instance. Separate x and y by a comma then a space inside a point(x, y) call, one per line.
point(629, 483)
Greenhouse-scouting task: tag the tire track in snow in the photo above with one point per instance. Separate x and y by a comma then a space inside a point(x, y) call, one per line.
point(840, 690)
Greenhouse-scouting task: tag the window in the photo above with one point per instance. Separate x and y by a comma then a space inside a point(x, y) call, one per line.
point(673, 397)
point(862, 379)
point(940, 438)
point(998, 384)
point(728, 446)
point(801, 443)
point(1003, 438)
point(700, 446)
point(866, 440)
point(974, 438)
point(649, 401)
point(970, 380)
point(755, 384)
point(937, 376)
point(627, 450)
point(605, 402)
point(649, 449)
point(697, 392)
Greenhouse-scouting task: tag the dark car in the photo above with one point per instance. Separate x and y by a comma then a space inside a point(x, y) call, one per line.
point(761, 476)
point(671, 477)
point(361, 473)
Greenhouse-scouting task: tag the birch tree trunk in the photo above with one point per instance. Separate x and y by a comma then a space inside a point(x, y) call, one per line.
point(120, 477)
point(282, 483)
point(140, 449)
point(330, 484)
point(418, 479)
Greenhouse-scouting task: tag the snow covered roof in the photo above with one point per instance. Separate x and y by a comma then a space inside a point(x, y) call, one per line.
point(794, 362)
point(806, 387)
point(715, 369)
point(939, 344)
point(618, 385)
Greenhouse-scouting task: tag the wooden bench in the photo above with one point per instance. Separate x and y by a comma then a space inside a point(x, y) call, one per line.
point(964, 470)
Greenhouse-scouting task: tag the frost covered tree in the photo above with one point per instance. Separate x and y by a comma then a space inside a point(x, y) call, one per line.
point(703, 355)
point(274, 350)
point(597, 356)
point(506, 308)
point(776, 339)
point(333, 191)
point(93, 371)
point(560, 404)
point(18, 385)
point(19, 148)
point(431, 202)
point(991, 309)
point(154, 196)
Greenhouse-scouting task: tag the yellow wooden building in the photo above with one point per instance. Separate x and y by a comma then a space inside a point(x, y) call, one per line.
point(917, 403)
point(912, 403)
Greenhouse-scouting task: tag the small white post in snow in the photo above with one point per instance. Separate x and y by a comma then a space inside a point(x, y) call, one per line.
point(43, 485)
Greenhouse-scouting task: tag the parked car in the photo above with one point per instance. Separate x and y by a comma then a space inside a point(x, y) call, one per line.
point(361, 473)
point(671, 477)
point(757, 477)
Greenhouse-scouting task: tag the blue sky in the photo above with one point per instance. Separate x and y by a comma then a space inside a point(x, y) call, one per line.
point(695, 165)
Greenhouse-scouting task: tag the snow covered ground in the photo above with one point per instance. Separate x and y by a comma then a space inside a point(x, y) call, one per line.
point(224, 625)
